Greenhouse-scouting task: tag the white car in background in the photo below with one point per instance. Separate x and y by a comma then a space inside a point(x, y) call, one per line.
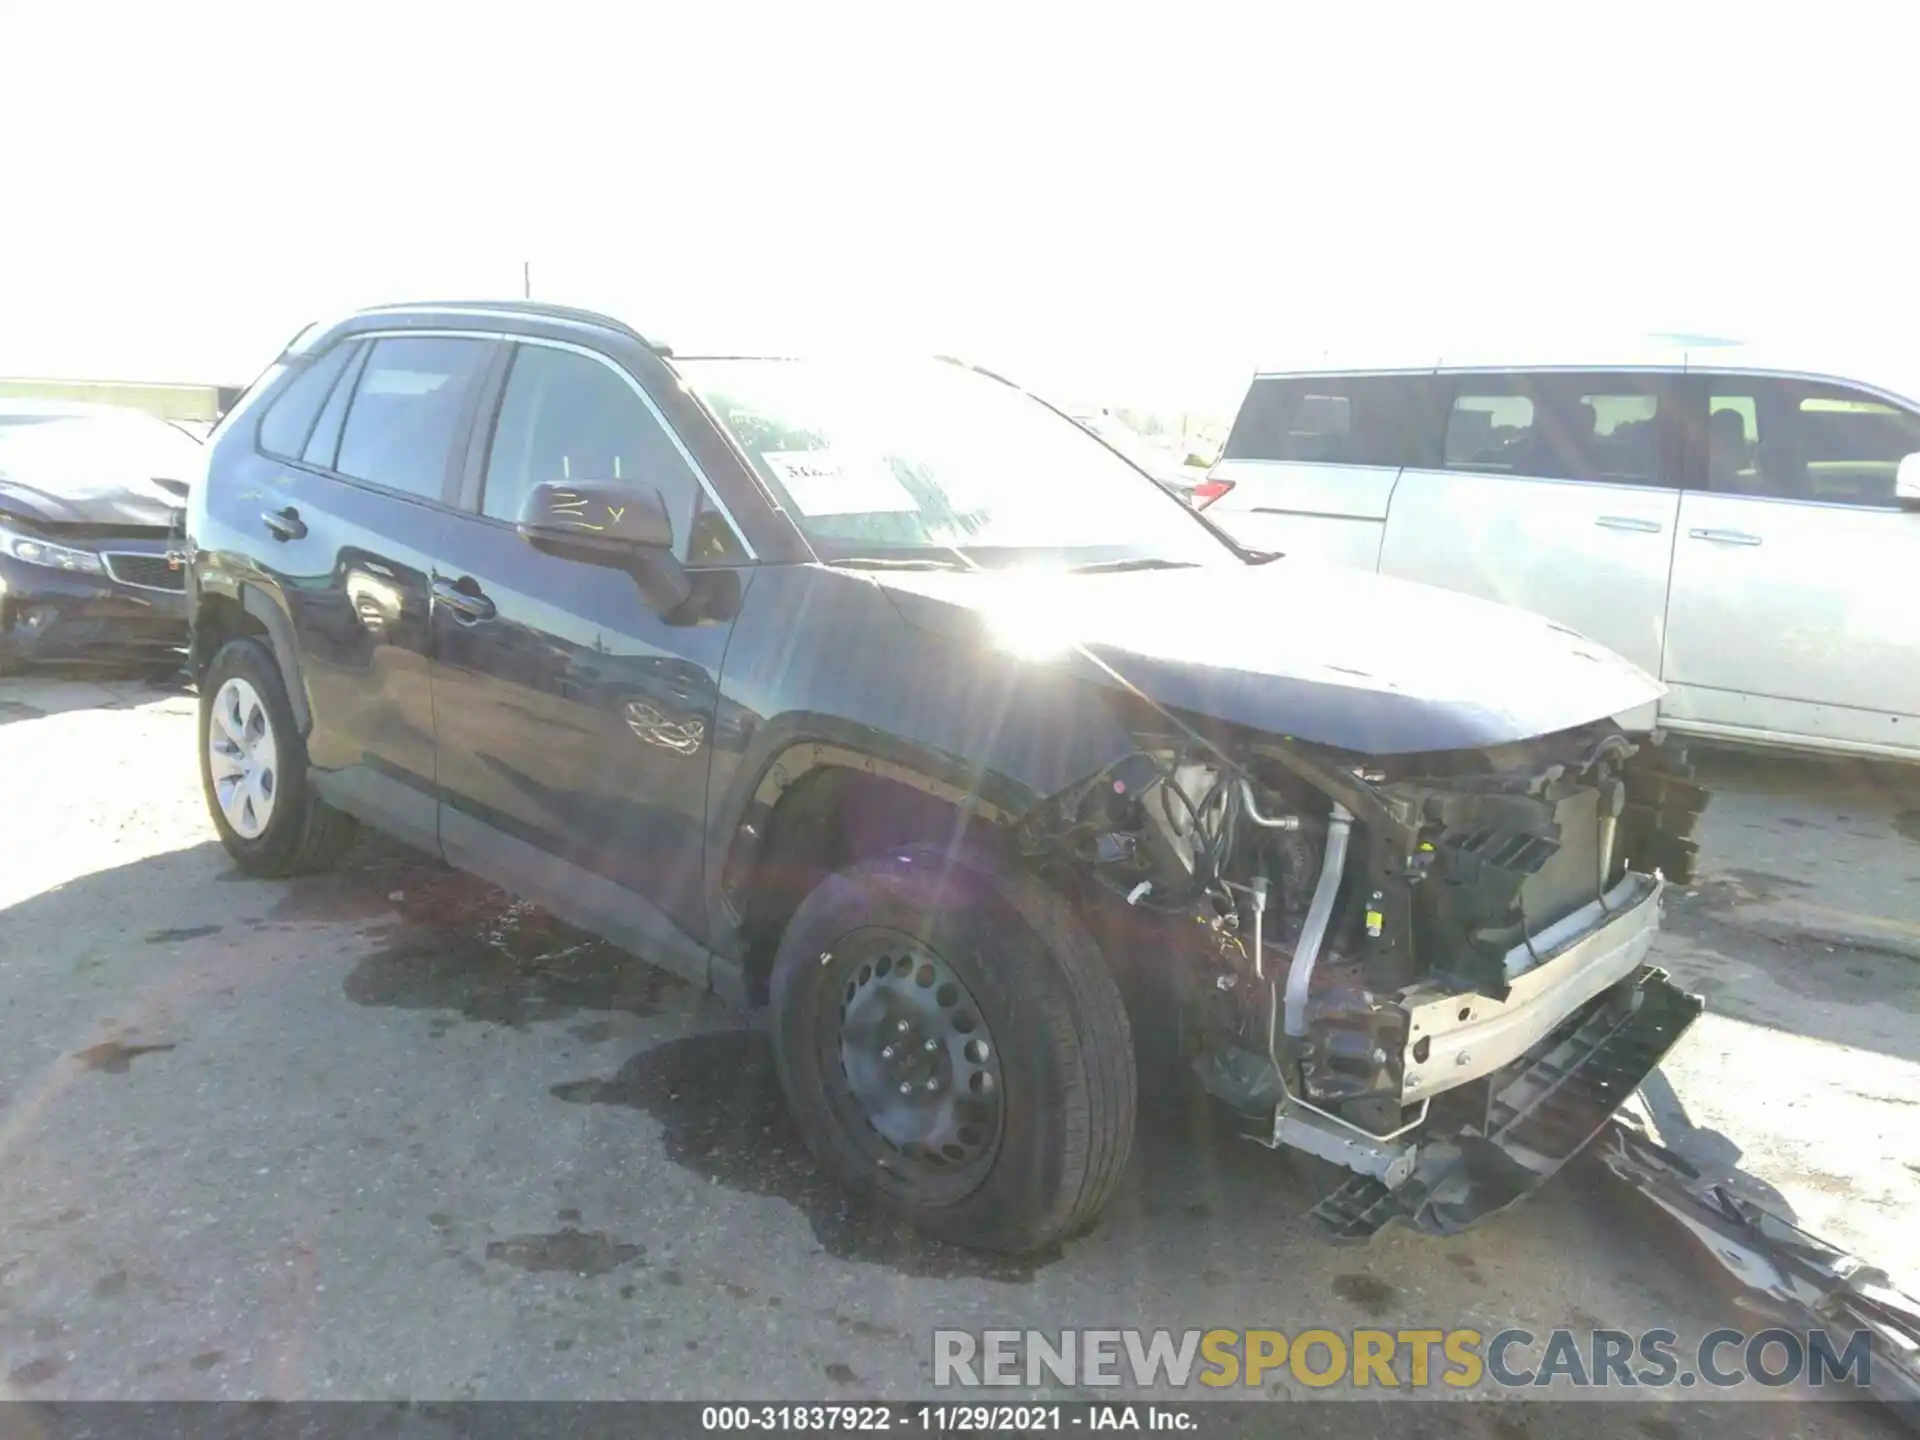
point(1745, 526)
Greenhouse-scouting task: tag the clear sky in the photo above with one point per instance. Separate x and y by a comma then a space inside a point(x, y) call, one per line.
point(1120, 203)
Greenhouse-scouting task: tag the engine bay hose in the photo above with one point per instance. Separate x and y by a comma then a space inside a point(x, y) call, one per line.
point(1272, 822)
point(1319, 915)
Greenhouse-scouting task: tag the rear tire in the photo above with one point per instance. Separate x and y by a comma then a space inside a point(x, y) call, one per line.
point(991, 989)
point(253, 770)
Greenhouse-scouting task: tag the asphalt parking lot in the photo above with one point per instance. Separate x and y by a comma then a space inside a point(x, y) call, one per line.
point(388, 1134)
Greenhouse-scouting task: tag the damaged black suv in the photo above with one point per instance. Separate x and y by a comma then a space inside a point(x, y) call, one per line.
point(887, 696)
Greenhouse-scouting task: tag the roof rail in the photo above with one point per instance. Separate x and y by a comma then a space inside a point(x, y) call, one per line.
point(542, 308)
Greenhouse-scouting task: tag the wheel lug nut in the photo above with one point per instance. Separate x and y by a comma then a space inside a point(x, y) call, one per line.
point(901, 1027)
point(887, 1053)
point(933, 1084)
point(986, 1082)
point(905, 1088)
point(931, 1046)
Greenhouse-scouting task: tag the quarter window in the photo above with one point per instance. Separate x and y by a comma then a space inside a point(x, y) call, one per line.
point(568, 416)
point(406, 409)
point(289, 418)
point(323, 446)
point(1345, 420)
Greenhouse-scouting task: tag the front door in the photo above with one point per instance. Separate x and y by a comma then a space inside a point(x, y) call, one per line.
point(1555, 493)
point(575, 721)
point(1792, 615)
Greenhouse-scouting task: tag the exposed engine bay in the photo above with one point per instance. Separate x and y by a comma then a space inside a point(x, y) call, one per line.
point(1426, 968)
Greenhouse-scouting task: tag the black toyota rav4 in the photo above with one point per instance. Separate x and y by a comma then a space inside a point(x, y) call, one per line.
point(884, 695)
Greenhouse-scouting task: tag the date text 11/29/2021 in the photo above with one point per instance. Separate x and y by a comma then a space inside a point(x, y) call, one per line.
point(955, 1419)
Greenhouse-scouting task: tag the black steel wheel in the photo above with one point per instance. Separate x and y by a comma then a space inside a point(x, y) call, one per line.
point(918, 1061)
point(954, 1047)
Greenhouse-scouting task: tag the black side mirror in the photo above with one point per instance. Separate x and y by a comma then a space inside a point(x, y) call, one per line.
point(612, 523)
point(602, 520)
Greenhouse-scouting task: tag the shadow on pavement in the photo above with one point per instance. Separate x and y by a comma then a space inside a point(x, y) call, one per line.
point(1805, 912)
point(1711, 1152)
point(54, 690)
point(1786, 773)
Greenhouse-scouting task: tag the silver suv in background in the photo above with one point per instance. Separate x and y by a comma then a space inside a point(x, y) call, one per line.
point(1744, 526)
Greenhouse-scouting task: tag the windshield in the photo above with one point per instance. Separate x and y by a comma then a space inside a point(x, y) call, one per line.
point(925, 457)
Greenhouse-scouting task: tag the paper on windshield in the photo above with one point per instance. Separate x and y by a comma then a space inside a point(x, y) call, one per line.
point(826, 482)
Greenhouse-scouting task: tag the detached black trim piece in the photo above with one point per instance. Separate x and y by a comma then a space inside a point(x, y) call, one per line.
point(1828, 1289)
point(1542, 1113)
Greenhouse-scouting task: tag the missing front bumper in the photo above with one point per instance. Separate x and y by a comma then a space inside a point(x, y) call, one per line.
point(1540, 1112)
point(50, 615)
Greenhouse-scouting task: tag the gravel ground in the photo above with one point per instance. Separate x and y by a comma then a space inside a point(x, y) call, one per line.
point(387, 1133)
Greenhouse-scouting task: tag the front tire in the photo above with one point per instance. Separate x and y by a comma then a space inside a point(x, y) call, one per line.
point(253, 770)
point(955, 1048)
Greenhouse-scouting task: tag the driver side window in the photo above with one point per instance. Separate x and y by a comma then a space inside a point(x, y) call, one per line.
point(567, 416)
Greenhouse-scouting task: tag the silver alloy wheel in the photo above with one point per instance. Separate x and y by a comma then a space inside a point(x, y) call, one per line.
point(242, 758)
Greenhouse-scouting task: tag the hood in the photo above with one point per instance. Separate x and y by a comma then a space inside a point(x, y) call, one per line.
point(104, 503)
point(1336, 657)
point(93, 474)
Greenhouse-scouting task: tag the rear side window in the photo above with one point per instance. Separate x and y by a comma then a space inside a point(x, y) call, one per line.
point(406, 409)
point(1488, 431)
point(1607, 428)
point(1794, 440)
point(1335, 419)
point(288, 420)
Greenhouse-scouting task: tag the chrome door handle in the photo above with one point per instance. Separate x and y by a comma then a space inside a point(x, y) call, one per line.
point(284, 524)
point(1628, 522)
point(1725, 537)
point(468, 605)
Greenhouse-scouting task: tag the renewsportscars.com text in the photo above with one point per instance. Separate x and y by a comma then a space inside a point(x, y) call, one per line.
point(1400, 1359)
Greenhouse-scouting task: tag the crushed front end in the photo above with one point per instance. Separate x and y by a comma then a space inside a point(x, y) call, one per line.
point(90, 593)
point(1429, 969)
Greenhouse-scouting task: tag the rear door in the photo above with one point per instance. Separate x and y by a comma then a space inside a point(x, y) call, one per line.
point(1792, 615)
point(1554, 492)
point(361, 455)
point(1312, 459)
